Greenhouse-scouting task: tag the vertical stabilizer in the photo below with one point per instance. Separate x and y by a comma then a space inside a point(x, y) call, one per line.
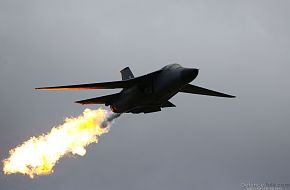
point(126, 74)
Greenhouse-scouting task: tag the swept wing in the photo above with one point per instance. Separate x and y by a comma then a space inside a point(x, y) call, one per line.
point(104, 85)
point(188, 88)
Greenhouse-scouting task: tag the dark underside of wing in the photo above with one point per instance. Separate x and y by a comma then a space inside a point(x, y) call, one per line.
point(203, 91)
point(105, 85)
point(102, 85)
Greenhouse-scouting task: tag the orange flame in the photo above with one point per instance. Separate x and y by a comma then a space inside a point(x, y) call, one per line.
point(38, 155)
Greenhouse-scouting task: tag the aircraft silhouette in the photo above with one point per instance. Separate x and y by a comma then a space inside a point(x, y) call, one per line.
point(147, 93)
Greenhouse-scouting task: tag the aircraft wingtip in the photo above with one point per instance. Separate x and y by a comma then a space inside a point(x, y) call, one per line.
point(41, 88)
point(78, 102)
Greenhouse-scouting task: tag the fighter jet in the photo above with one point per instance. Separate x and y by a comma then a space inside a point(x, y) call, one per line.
point(147, 93)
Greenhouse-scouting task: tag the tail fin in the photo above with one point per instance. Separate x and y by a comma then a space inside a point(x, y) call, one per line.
point(126, 74)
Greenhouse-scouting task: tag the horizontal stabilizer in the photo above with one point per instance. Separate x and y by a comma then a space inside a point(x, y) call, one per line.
point(107, 100)
point(203, 91)
point(167, 104)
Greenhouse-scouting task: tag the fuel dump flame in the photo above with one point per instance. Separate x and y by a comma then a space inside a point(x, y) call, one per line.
point(38, 155)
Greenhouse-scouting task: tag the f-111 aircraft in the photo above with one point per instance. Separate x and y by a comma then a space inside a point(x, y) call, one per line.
point(147, 93)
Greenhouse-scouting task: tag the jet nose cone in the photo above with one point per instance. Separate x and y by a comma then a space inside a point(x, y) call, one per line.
point(188, 75)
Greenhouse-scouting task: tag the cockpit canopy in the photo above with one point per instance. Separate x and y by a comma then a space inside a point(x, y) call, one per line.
point(171, 66)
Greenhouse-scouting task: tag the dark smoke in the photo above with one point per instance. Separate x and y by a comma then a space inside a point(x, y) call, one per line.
point(110, 119)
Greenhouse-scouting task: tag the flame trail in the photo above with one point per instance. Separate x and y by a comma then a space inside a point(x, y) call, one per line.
point(38, 155)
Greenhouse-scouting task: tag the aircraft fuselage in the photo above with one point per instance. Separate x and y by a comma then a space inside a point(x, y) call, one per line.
point(153, 93)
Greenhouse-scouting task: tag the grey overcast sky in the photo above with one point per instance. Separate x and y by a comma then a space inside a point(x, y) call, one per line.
point(241, 47)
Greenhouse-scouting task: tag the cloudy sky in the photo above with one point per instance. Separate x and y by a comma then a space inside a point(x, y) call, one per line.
point(241, 48)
